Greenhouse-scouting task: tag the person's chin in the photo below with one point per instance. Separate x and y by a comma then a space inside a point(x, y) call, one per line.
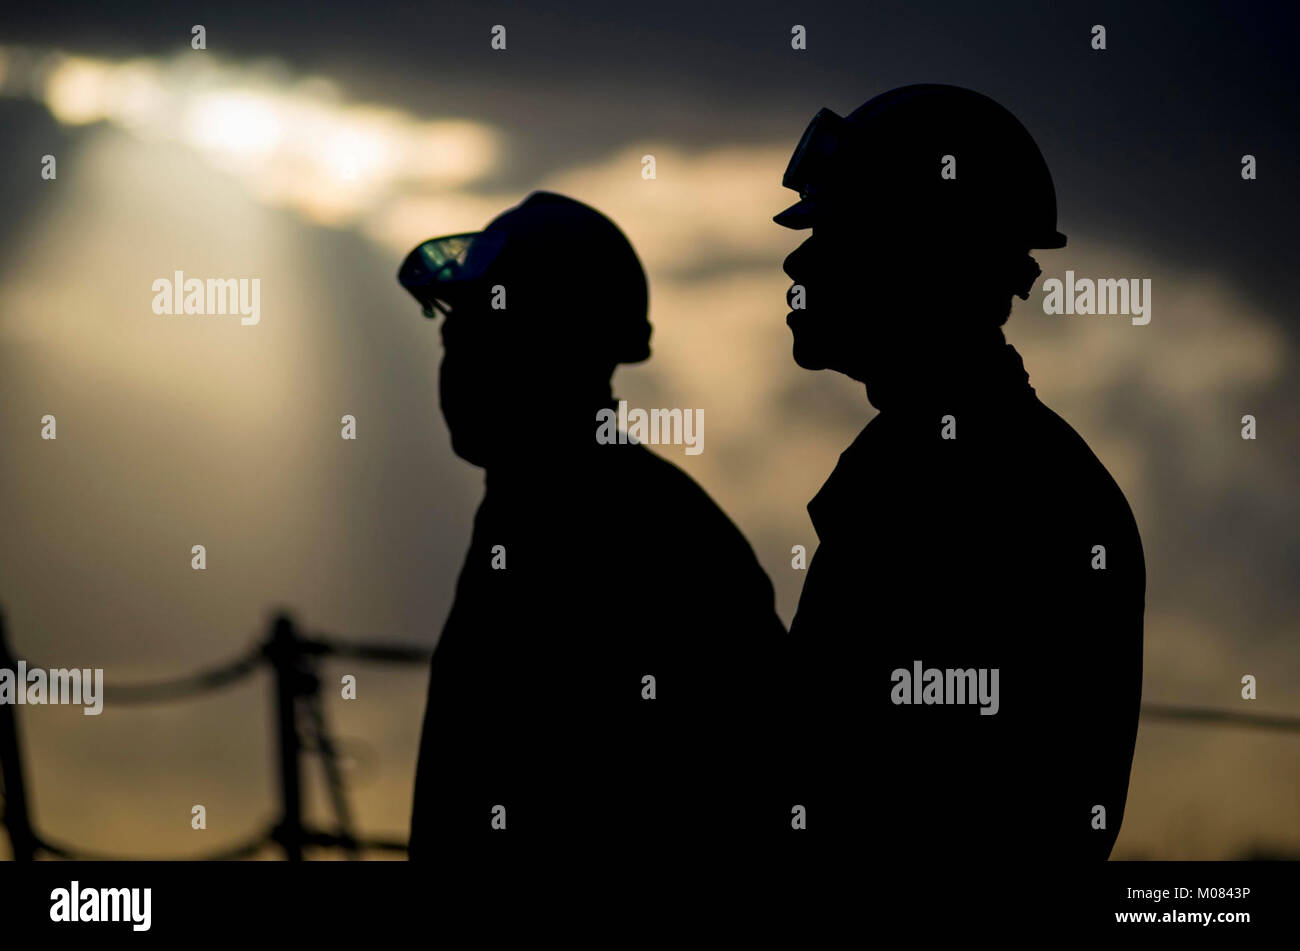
point(810, 358)
point(470, 450)
point(807, 353)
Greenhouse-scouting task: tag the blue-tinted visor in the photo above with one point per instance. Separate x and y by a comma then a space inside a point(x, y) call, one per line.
point(436, 271)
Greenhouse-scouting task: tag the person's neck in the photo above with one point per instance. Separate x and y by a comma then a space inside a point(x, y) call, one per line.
point(972, 371)
point(554, 431)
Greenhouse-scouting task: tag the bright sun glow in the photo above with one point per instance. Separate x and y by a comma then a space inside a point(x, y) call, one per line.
point(295, 142)
point(241, 124)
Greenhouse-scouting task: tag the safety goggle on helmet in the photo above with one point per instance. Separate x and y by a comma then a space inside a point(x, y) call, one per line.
point(817, 160)
point(438, 270)
point(813, 160)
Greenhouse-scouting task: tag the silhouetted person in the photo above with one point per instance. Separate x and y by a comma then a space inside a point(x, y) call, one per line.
point(592, 567)
point(964, 528)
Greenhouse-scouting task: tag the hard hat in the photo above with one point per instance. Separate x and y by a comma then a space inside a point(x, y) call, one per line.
point(940, 161)
point(548, 245)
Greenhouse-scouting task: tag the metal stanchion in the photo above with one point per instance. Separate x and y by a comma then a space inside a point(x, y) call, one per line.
point(16, 819)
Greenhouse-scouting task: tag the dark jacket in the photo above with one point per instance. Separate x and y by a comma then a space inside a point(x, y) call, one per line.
point(971, 552)
point(618, 566)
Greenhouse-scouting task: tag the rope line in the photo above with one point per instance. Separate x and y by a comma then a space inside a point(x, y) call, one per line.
point(1157, 711)
point(242, 850)
point(214, 678)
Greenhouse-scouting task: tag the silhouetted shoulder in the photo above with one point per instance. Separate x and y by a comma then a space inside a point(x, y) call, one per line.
point(1070, 460)
point(663, 500)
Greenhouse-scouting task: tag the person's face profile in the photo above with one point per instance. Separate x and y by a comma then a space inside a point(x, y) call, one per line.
point(474, 360)
point(489, 357)
point(828, 297)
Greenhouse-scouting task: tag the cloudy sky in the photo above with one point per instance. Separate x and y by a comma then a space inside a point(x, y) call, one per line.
point(312, 146)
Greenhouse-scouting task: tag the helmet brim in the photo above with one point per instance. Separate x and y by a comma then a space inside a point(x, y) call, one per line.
point(798, 216)
point(803, 214)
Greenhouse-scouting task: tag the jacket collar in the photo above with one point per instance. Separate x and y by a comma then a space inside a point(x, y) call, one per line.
point(956, 377)
point(963, 382)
